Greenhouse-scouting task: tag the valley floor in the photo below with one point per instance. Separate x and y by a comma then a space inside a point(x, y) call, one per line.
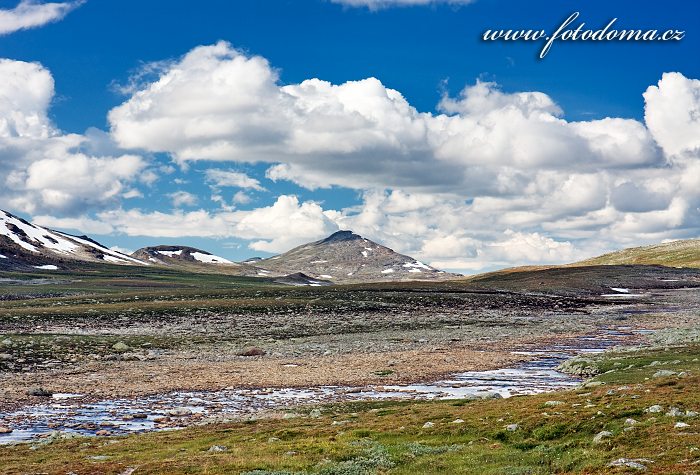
point(103, 335)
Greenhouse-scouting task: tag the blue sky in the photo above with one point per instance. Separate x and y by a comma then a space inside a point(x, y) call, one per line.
point(426, 53)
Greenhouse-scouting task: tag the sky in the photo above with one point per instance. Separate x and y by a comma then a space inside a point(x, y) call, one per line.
point(246, 128)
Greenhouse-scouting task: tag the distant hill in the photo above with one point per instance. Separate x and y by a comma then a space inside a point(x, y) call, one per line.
point(24, 245)
point(685, 253)
point(348, 257)
point(195, 260)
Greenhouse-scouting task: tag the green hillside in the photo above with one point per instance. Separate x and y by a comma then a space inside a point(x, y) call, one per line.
point(684, 253)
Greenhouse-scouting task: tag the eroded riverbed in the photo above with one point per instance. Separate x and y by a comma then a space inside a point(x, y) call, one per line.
point(69, 414)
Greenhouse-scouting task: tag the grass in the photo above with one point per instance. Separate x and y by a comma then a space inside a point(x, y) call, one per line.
point(683, 253)
point(389, 437)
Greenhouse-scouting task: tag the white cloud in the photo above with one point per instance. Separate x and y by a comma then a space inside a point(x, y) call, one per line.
point(227, 178)
point(42, 169)
point(183, 198)
point(492, 179)
point(32, 14)
point(217, 103)
point(378, 4)
point(275, 228)
point(672, 113)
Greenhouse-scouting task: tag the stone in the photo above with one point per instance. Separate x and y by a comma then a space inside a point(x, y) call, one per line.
point(252, 351)
point(602, 435)
point(6, 357)
point(674, 412)
point(428, 425)
point(512, 427)
point(179, 412)
point(653, 409)
point(458, 421)
point(103, 432)
point(630, 422)
point(5, 430)
point(681, 425)
point(664, 373)
point(315, 413)
point(120, 346)
point(629, 463)
point(218, 448)
point(691, 414)
point(39, 392)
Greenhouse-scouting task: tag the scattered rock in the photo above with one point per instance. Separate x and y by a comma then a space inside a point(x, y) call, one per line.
point(600, 436)
point(664, 373)
point(458, 421)
point(103, 432)
point(218, 448)
point(428, 425)
point(6, 357)
point(5, 430)
point(512, 427)
point(691, 414)
point(630, 422)
point(39, 392)
point(629, 463)
point(315, 413)
point(252, 351)
point(179, 412)
point(120, 346)
point(681, 425)
point(653, 409)
point(487, 395)
point(674, 412)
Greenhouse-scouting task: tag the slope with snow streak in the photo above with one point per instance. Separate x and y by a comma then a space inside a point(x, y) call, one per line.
point(23, 239)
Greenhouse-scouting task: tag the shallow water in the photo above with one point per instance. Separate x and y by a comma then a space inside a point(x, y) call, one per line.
point(66, 412)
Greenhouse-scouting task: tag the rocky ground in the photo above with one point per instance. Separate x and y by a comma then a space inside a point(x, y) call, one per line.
point(139, 342)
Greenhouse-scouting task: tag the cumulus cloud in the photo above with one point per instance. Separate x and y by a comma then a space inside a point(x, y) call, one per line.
point(183, 198)
point(492, 178)
point(226, 178)
point(217, 103)
point(672, 113)
point(275, 228)
point(42, 169)
point(32, 14)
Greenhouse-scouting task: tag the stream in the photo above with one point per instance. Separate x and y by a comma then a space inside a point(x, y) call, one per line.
point(65, 414)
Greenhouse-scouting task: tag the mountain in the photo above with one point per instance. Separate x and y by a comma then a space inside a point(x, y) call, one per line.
point(343, 257)
point(347, 257)
point(24, 245)
point(685, 253)
point(171, 255)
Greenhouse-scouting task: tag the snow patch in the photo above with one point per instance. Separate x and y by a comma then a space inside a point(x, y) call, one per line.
point(170, 253)
point(620, 289)
point(416, 264)
point(326, 276)
point(364, 253)
point(47, 267)
point(413, 271)
point(209, 258)
point(387, 271)
point(318, 262)
point(2, 257)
